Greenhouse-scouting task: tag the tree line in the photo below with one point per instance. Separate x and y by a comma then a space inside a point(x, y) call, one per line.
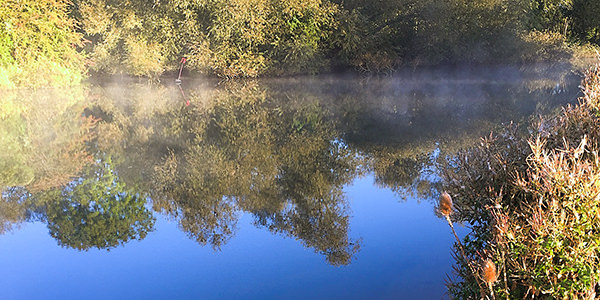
point(54, 42)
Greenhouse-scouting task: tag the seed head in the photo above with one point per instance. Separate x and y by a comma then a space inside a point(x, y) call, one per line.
point(489, 271)
point(445, 205)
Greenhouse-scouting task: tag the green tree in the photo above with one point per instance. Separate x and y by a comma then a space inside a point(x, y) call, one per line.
point(135, 37)
point(586, 20)
point(96, 211)
point(229, 38)
point(553, 15)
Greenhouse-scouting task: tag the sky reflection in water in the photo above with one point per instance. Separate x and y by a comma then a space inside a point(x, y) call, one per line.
point(405, 253)
point(310, 188)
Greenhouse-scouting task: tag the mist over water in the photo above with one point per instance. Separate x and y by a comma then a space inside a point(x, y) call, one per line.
point(313, 187)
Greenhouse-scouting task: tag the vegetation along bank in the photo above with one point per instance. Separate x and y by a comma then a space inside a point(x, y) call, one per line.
point(532, 206)
point(59, 42)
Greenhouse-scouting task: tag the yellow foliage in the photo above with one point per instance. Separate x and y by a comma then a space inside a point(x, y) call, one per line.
point(144, 59)
point(545, 46)
point(96, 18)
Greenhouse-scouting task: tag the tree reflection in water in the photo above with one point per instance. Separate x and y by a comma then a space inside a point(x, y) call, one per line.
point(96, 210)
point(280, 163)
point(43, 140)
point(282, 151)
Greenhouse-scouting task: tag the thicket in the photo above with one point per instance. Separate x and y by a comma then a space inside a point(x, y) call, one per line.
point(39, 40)
point(229, 38)
point(250, 38)
point(38, 44)
point(533, 207)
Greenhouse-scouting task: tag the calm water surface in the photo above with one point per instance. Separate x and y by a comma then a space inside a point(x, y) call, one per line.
point(300, 188)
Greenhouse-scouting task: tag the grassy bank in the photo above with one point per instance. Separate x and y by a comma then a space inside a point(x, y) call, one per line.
point(533, 207)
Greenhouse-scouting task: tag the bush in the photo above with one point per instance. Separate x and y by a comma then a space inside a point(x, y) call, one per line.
point(545, 46)
point(38, 44)
point(533, 205)
point(41, 41)
point(241, 38)
point(586, 20)
point(133, 37)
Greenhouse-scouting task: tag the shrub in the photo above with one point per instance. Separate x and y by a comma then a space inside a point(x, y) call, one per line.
point(586, 20)
point(133, 37)
point(240, 38)
point(545, 46)
point(533, 205)
point(38, 44)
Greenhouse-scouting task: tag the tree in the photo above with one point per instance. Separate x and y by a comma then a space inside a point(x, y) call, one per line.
point(96, 211)
point(586, 20)
point(38, 44)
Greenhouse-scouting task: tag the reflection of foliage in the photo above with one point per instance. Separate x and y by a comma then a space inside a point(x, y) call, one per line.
point(280, 150)
point(402, 127)
point(97, 211)
point(12, 209)
point(403, 174)
point(199, 202)
point(42, 145)
point(311, 177)
point(43, 137)
point(283, 150)
point(14, 169)
point(279, 163)
point(320, 223)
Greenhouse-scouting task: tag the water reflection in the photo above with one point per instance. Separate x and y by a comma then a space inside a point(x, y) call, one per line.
point(85, 162)
point(43, 138)
point(247, 151)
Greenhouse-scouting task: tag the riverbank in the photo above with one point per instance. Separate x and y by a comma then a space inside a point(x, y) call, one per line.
point(59, 42)
point(532, 205)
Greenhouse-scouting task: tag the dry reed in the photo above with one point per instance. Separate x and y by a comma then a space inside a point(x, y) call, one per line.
point(445, 208)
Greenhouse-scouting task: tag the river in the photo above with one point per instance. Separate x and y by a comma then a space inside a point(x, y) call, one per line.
point(316, 187)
